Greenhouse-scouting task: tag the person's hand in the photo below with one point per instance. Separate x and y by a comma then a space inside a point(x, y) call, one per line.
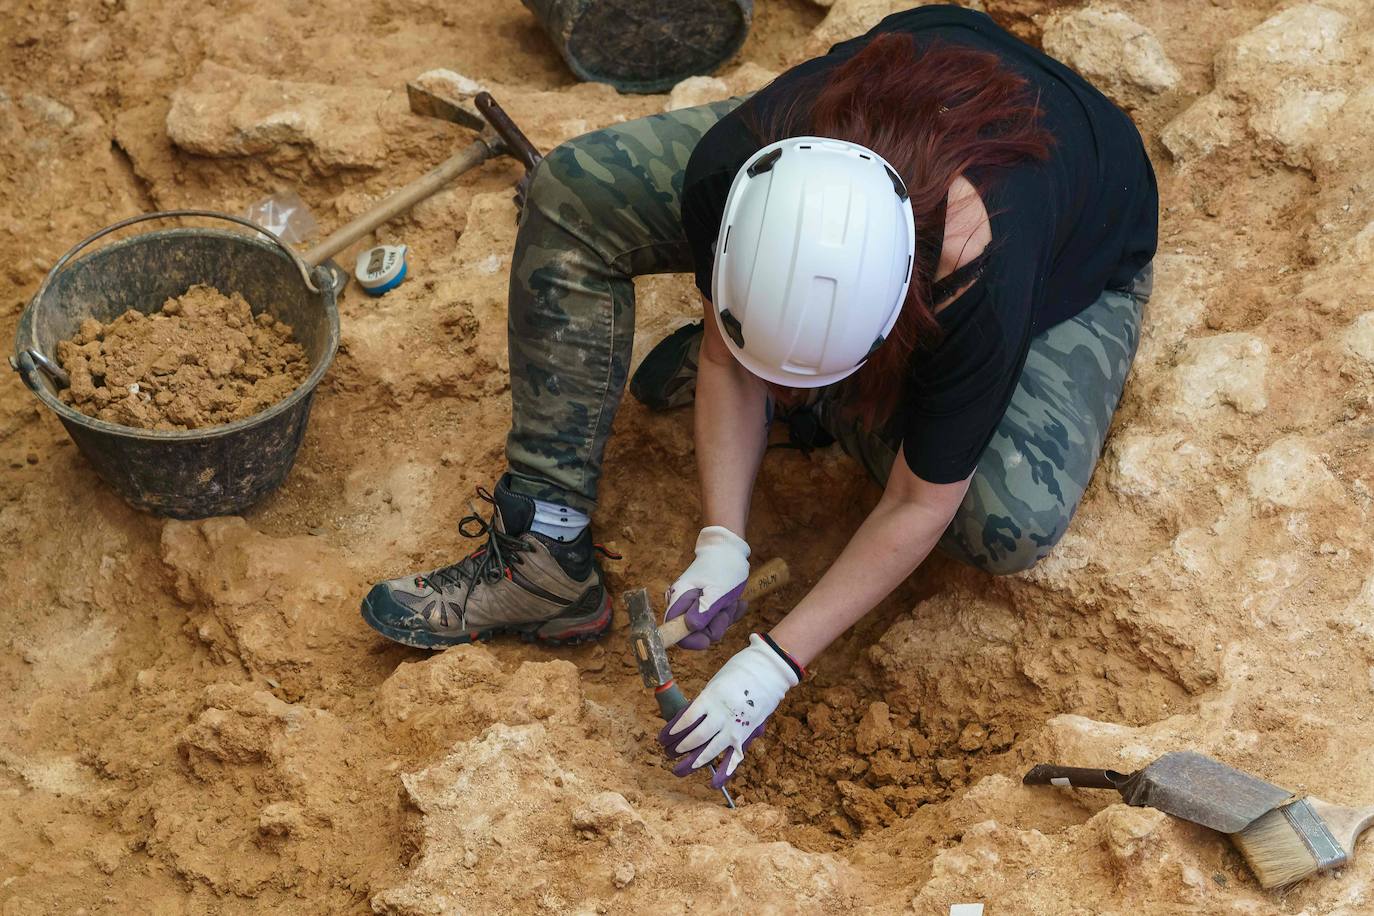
point(708, 593)
point(730, 711)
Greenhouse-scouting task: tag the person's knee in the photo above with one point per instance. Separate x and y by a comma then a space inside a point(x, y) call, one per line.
point(1024, 545)
point(554, 172)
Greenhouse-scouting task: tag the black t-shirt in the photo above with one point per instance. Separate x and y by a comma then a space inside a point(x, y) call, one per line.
point(1063, 230)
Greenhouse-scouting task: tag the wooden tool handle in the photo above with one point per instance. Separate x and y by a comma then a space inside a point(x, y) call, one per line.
point(1047, 774)
point(765, 580)
point(398, 202)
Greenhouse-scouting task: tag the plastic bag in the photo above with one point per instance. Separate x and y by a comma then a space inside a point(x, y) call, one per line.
point(284, 214)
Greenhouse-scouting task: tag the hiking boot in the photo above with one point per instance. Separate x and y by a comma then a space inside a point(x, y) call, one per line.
point(519, 582)
point(668, 375)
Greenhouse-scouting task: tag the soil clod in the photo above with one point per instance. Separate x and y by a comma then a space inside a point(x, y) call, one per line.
point(202, 360)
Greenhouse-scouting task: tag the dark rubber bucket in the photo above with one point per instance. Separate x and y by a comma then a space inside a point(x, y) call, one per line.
point(644, 45)
point(218, 470)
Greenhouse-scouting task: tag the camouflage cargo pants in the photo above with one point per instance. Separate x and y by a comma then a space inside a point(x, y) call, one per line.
point(605, 207)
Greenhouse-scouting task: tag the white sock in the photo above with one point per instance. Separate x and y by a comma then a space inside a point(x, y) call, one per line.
point(558, 522)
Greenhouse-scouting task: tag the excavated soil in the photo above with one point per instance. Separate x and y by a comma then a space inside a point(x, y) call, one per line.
point(199, 722)
point(202, 359)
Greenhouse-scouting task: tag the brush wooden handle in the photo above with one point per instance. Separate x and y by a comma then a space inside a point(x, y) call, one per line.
point(765, 580)
point(1048, 774)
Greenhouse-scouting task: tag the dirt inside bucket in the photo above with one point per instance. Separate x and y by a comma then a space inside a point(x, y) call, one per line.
point(202, 360)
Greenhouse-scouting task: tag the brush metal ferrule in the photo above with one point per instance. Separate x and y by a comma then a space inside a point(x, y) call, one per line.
point(1325, 848)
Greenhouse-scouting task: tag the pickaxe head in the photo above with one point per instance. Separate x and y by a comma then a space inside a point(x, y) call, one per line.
point(438, 94)
point(431, 103)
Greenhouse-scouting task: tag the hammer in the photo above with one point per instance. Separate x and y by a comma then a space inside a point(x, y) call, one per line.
point(649, 642)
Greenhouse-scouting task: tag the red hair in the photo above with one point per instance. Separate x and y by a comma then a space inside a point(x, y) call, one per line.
point(934, 113)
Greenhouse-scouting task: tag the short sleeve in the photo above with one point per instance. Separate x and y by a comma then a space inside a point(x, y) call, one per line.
point(718, 156)
point(703, 208)
point(959, 392)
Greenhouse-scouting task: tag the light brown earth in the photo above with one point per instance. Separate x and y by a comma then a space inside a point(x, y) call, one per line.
point(200, 359)
point(198, 721)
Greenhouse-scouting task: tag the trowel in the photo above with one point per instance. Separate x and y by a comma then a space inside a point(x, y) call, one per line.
point(649, 642)
point(1183, 784)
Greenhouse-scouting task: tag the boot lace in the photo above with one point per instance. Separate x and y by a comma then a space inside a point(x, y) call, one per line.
point(487, 563)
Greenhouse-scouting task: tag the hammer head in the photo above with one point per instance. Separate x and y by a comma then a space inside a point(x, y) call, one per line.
point(645, 643)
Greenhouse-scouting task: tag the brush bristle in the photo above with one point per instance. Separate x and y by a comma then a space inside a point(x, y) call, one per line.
point(1275, 851)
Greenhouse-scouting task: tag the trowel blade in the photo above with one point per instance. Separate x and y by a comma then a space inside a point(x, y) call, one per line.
point(429, 105)
point(1197, 788)
point(650, 656)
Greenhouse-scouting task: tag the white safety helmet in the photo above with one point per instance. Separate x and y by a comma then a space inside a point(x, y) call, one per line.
point(813, 260)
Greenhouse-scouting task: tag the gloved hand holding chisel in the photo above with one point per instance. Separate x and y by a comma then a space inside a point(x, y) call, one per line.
point(731, 710)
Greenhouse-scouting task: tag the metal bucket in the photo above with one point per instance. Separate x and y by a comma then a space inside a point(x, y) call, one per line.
point(218, 470)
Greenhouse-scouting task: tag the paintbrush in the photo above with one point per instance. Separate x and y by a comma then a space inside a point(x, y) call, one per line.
point(1296, 840)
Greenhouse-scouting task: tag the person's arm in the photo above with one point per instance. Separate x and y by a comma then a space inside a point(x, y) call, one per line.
point(731, 431)
point(896, 537)
point(731, 419)
point(733, 707)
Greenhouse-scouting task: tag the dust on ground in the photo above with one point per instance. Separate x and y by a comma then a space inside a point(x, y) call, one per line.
point(200, 722)
point(202, 359)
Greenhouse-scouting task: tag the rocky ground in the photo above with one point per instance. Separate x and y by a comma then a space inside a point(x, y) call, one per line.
point(200, 722)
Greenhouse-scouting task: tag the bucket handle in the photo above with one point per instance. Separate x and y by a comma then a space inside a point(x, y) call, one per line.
point(29, 361)
point(165, 214)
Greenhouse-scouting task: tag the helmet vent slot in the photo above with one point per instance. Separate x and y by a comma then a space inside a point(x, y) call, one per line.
point(732, 327)
point(765, 163)
point(897, 184)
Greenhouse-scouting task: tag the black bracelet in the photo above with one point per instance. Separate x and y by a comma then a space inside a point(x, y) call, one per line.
point(797, 670)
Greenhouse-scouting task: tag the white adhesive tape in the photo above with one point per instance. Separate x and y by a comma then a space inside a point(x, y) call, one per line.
point(1062, 782)
point(966, 909)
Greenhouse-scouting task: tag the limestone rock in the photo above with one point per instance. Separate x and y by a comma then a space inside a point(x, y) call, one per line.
point(1118, 54)
point(1294, 118)
point(607, 814)
point(518, 798)
point(50, 110)
point(1300, 39)
point(448, 84)
point(749, 77)
point(696, 90)
point(1147, 466)
point(1224, 369)
point(848, 18)
point(1207, 125)
point(1282, 80)
point(225, 113)
point(1362, 245)
point(1131, 832)
point(1359, 337)
point(281, 819)
point(1182, 286)
point(1288, 474)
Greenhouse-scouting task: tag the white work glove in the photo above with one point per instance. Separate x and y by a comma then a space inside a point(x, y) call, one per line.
point(708, 593)
point(730, 711)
